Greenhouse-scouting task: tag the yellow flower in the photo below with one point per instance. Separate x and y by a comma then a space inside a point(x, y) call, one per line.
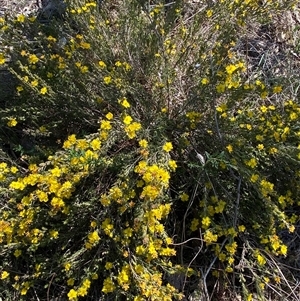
point(260, 259)
point(229, 269)
point(123, 277)
point(277, 89)
point(82, 291)
point(4, 275)
point(17, 253)
point(252, 163)
point(105, 201)
point(124, 103)
point(32, 19)
point(242, 228)
point(184, 197)
point(167, 147)
point(140, 250)
point(84, 69)
point(108, 286)
point(67, 266)
point(108, 265)
point(249, 297)
point(206, 222)
point(229, 148)
point(230, 260)
point(273, 150)
point(264, 94)
point(277, 279)
point(204, 81)
point(194, 224)
point(44, 90)
point(267, 187)
point(2, 59)
point(220, 207)
point(249, 127)
point(105, 125)
point(3, 166)
point(57, 203)
point(264, 109)
point(107, 80)
point(260, 146)
point(103, 136)
point(127, 119)
point(135, 126)
point(150, 191)
point(132, 128)
point(143, 143)
point(283, 249)
point(222, 108)
point(93, 237)
point(222, 256)
point(291, 229)
point(254, 178)
point(72, 295)
point(86, 283)
point(12, 122)
point(259, 137)
point(43, 129)
point(34, 83)
point(18, 185)
point(96, 144)
point(152, 253)
point(33, 59)
point(209, 237)
point(230, 69)
point(126, 66)
point(172, 164)
point(14, 169)
point(209, 13)
point(231, 248)
point(101, 64)
point(51, 39)
point(53, 234)
point(107, 227)
point(93, 224)
point(21, 18)
point(109, 116)
point(85, 45)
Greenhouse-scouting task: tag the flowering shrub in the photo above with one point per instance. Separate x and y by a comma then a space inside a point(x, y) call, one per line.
point(146, 156)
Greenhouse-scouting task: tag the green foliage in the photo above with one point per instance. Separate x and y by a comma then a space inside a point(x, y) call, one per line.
point(145, 145)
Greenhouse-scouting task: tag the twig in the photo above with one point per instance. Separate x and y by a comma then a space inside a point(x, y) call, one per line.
point(200, 248)
point(48, 290)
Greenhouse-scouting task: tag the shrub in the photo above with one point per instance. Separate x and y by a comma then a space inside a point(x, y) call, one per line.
point(146, 154)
